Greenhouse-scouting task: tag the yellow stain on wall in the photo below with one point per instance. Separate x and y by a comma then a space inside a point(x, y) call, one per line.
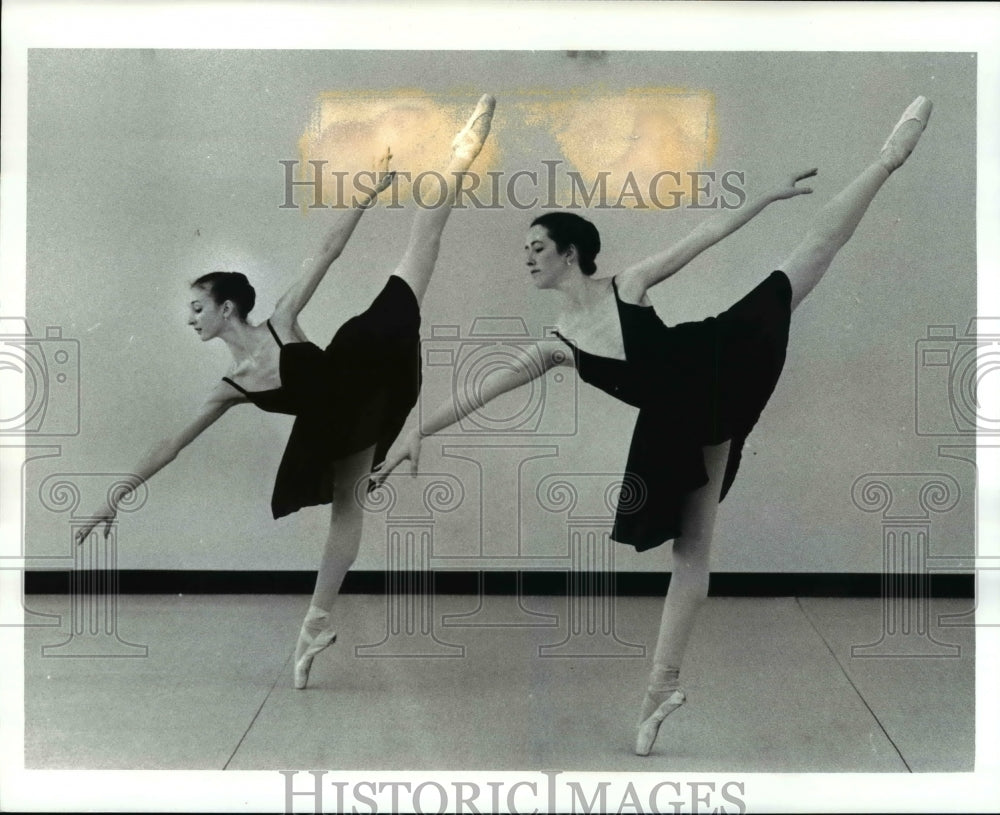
point(351, 131)
point(623, 143)
point(633, 137)
point(639, 132)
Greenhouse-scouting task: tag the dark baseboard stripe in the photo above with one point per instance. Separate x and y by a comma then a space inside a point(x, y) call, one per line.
point(552, 583)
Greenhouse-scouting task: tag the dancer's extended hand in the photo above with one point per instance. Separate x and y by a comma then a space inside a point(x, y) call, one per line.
point(383, 175)
point(405, 447)
point(105, 515)
point(789, 190)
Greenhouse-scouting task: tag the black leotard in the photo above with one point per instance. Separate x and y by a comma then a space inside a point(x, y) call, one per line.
point(695, 384)
point(355, 393)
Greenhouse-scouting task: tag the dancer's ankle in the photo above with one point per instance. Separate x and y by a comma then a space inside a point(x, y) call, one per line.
point(663, 679)
point(317, 619)
point(663, 682)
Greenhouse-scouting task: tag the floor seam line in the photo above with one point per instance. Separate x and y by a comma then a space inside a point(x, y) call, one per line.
point(260, 707)
point(843, 670)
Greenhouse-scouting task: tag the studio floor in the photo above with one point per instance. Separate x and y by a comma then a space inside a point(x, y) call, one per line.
point(205, 683)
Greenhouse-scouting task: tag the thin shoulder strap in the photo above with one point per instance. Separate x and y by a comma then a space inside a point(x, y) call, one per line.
point(560, 336)
point(273, 334)
point(230, 381)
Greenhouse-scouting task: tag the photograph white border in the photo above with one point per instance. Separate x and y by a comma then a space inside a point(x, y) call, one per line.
point(573, 25)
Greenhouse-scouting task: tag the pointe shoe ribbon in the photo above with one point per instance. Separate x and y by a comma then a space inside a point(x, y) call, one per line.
point(649, 728)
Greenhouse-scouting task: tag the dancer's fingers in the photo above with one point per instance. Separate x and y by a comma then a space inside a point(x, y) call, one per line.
point(384, 180)
point(382, 163)
point(790, 190)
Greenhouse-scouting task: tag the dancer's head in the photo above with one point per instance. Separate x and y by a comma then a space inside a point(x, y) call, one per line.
point(218, 297)
point(558, 242)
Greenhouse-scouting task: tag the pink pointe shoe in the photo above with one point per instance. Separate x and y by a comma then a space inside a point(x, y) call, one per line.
point(649, 728)
point(313, 638)
point(902, 140)
point(469, 141)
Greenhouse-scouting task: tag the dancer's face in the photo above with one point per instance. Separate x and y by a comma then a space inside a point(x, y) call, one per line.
point(544, 261)
point(205, 316)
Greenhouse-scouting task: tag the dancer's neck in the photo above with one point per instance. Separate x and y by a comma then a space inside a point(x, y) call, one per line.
point(582, 293)
point(242, 339)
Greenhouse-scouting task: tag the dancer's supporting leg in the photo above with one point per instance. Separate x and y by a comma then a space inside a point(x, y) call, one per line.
point(837, 220)
point(425, 236)
point(339, 554)
point(685, 596)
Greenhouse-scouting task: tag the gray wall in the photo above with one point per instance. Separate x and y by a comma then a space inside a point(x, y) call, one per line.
point(147, 168)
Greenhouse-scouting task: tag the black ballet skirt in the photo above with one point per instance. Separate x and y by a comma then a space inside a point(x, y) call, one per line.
point(355, 393)
point(695, 384)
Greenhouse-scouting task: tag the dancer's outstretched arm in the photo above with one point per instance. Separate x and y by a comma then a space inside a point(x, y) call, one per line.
point(294, 300)
point(162, 453)
point(464, 402)
point(634, 281)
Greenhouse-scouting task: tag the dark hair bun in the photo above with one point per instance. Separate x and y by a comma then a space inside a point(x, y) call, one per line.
point(232, 286)
point(568, 229)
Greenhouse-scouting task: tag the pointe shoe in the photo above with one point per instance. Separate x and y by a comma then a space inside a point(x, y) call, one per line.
point(650, 727)
point(900, 143)
point(311, 644)
point(469, 141)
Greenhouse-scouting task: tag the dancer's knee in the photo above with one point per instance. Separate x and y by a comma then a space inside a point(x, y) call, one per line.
point(346, 500)
point(423, 249)
point(813, 254)
point(695, 543)
point(690, 565)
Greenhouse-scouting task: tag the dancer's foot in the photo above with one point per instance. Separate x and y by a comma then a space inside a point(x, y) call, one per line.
point(906, 133)
point(650, 724)
point(469, 141)
point(313, 638)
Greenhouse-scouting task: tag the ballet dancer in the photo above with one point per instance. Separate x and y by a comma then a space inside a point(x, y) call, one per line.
point(700, 387)
point(350, 400)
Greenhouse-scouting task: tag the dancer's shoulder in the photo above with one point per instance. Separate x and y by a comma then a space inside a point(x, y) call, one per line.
point(630, 288)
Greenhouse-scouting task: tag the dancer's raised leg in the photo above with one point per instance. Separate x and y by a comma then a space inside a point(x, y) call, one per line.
point(339, 554)
point(837, 221)
point(425, 235)
point(685, 597)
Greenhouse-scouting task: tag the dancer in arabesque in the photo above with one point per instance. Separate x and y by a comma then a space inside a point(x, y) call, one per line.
point(350, 399)
point(700, 387)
